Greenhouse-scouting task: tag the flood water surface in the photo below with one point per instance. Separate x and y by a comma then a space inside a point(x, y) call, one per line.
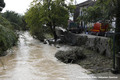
point(32, 60)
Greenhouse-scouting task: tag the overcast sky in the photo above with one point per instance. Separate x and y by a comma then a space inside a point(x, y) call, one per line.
point(20, 6)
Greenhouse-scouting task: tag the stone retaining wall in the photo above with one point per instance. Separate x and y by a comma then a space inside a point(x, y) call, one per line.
point(96, 43)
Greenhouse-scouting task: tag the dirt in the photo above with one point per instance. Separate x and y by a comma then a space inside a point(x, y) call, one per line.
point(70, 56)
point(94, 62)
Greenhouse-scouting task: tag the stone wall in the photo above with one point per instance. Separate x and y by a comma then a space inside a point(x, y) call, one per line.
point(99, 44)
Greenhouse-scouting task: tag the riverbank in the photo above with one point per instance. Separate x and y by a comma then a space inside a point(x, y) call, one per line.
point(96, 49)
point(93, 61)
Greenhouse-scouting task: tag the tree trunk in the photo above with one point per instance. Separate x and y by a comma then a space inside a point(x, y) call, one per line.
point(54, 32)
point(117, 30)
point(55, 36)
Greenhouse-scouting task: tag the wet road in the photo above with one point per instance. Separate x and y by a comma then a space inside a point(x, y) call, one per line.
point(32, 60)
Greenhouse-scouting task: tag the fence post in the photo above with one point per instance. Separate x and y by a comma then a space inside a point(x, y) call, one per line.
point(116, 58)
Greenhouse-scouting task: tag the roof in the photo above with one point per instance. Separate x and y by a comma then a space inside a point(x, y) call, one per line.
point(86, 3)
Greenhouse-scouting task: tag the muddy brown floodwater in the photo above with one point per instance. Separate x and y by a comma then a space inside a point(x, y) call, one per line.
point(32, 60)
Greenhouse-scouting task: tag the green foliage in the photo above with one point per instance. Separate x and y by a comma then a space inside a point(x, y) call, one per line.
point(12, 17)
point(45, 15)
point(24, 26)
point(15, 19)
point(32, 19)
point(7, 39)
point(103, 10)
point(5, 22)
point(2, 4)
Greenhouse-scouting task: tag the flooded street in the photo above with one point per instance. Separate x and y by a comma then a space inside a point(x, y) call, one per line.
point(32, 60)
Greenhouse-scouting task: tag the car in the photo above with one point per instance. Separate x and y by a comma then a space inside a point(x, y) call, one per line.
point(73, 27)
point(109, 33)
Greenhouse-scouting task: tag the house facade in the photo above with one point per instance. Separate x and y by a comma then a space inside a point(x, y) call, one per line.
point(79, 11)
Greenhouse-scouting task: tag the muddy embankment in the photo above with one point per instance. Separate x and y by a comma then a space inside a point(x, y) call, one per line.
point(91, 52)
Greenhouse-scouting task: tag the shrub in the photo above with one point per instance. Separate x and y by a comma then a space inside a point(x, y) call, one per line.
point(5, 22)
point(7, 39)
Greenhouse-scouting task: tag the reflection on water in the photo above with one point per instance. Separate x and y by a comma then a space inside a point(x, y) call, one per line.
point(32, 60)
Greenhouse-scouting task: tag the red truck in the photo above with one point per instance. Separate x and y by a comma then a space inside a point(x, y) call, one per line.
point(99, 29)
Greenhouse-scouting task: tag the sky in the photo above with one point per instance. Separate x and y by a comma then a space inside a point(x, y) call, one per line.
point(21, 6)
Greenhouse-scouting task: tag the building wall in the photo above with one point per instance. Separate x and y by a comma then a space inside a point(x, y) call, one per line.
point(79, 11)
